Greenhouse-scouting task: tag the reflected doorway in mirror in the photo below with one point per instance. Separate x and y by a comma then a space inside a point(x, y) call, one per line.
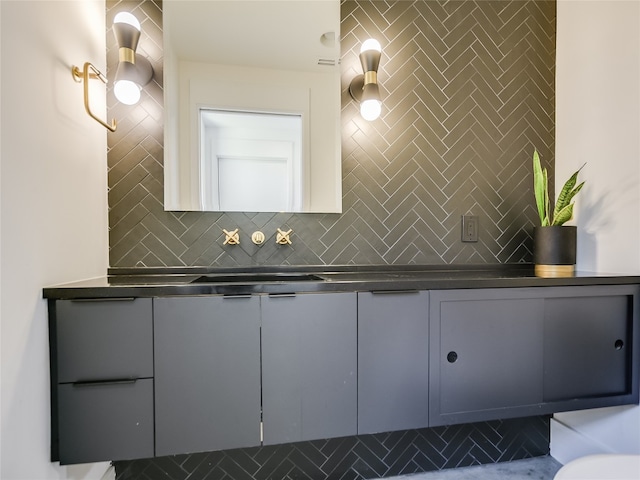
point(249, 159)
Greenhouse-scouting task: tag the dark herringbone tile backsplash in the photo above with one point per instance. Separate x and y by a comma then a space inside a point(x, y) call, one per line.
point(468, 91)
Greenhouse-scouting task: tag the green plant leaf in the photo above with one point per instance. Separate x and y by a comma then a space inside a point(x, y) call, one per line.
point(540, 187)
point(545, 220)
point(574, 192)
point(567, 193)
point(563, 198)
point(563, 215)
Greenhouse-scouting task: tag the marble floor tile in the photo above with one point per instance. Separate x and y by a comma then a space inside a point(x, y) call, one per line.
point(539, 468)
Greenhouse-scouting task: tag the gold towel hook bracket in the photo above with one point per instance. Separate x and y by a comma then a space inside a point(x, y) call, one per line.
point(84, 76)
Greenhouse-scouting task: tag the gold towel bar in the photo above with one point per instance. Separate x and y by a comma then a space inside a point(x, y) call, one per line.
point(85, 75)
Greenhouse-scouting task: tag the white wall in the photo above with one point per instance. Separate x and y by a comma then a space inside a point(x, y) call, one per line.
point(598, 122)
point(53, 207)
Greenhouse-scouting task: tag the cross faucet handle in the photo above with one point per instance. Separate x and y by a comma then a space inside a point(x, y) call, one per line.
point(282, 237)
point(232, 237)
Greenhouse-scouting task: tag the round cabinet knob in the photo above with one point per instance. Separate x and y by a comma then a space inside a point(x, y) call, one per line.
point(619, 344)
point(452, 357)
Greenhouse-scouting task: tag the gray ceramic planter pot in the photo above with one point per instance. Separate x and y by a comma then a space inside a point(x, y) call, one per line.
point(554, 250)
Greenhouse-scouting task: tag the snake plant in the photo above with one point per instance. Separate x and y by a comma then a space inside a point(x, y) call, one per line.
point(563, 210)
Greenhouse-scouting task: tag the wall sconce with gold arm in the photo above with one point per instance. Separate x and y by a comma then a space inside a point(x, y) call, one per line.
point(134, 71)
point(364, 88)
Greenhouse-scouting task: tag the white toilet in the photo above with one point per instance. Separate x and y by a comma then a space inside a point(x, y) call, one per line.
point(601, 467)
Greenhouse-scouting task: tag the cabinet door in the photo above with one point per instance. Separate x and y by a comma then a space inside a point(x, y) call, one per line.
point(393, 361)
point(309, 363)
point(486, 354)
point(587, 346)
point(207, 373)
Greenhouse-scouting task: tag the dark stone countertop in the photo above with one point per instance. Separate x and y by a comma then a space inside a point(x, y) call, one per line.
point(155, 282)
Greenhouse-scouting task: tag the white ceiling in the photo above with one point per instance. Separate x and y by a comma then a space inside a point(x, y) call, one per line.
point(282, 34)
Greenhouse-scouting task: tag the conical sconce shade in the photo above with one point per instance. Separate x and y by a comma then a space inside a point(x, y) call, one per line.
point(364, 88)
point(134, 71)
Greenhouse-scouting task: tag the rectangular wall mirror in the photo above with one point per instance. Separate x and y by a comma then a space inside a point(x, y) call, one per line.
point(231, 64)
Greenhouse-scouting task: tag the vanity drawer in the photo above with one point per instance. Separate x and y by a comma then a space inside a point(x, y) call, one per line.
point(104, 340)
point(105, 421)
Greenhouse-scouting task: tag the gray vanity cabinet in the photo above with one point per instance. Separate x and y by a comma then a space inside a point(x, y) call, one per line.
point(207, 373)
point(393, 361)
point(309, 366)
point(138, 378)
point(102, 369)
point(486, 354)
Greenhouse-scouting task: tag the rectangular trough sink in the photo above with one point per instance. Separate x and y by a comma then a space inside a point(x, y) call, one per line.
point(258, 278)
